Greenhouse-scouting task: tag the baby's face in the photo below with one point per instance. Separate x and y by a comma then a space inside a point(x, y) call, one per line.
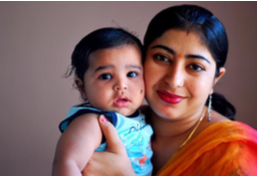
point(114, 80)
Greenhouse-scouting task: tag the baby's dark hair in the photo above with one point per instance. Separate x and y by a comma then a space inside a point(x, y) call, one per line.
point(102, 38)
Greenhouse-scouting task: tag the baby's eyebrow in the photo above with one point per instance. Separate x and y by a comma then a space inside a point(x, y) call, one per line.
point(134, 66)
point(103, 67)
point(111, 66)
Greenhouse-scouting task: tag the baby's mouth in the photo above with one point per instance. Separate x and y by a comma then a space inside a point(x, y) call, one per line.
point(122, 102)
point(122, 99)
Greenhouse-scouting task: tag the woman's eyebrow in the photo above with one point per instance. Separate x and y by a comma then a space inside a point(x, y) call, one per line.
point(165, 48)
point(197, 57)
point(171, 51)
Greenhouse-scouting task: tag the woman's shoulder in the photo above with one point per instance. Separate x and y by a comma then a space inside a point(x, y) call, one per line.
point(220, 123)
point(228, 130)
point(223, 148)
point(234, 143)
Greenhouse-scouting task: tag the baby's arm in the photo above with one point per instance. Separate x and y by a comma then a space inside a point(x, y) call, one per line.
point(114, 160)
point(76, 145)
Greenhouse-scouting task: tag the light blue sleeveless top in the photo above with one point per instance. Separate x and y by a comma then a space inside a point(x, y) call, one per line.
point(133, 132)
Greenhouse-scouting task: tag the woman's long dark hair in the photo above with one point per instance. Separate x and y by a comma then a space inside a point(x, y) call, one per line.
point(210, 30)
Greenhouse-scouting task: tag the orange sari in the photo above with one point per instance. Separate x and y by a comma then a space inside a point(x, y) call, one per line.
point(222, 149)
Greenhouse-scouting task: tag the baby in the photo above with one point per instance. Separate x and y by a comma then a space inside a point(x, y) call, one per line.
point(109, 75)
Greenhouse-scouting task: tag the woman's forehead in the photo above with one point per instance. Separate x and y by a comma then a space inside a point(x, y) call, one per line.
point(180, 40)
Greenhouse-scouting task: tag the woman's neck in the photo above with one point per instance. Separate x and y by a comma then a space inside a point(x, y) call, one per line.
point(169, 135)
point(167, 128)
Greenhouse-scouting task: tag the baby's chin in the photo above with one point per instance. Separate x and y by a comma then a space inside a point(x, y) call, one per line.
point(125, 112)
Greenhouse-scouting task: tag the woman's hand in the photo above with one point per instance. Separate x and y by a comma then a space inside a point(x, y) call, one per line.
point(112, 162)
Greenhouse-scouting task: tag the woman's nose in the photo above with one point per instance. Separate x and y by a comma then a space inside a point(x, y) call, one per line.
point(174, 78)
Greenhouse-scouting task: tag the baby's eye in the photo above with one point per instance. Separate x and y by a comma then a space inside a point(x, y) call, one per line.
point(105, 76)
point(132, 74)
point(196, 67)
point(161, 57)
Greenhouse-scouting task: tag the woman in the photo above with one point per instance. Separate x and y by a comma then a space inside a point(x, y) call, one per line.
point(186, 49)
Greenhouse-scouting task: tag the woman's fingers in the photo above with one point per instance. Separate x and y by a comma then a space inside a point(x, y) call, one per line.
point(114, 143)
point(99, 165)
point(113, 161)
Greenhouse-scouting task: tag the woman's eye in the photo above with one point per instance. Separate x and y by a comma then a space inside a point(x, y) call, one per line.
point(196, 67)
point(160, 57)
point(132, 74)
point(105, 76)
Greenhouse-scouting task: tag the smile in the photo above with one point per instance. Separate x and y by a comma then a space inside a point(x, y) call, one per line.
point(169, 97)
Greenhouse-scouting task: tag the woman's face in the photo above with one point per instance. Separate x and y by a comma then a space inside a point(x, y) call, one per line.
point(179, 74)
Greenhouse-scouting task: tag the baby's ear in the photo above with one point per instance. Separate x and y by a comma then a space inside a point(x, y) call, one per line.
point(81, 88)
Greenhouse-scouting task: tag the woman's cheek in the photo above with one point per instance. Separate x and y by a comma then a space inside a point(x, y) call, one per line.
point(148, 75)
point(152, 70)
point(199, 87)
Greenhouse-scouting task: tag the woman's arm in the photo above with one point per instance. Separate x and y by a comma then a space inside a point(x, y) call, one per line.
point(76, 145)
point(113, 161)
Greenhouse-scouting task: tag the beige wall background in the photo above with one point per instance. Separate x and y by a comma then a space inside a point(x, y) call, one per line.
point(36, 42)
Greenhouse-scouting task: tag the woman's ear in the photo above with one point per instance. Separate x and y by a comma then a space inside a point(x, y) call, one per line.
point(81, 88)
point(222, 72)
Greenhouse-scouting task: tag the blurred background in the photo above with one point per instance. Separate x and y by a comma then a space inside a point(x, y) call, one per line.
point(37, 39)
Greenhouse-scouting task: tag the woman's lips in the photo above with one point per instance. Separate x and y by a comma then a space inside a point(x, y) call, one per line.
point(169, 97)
